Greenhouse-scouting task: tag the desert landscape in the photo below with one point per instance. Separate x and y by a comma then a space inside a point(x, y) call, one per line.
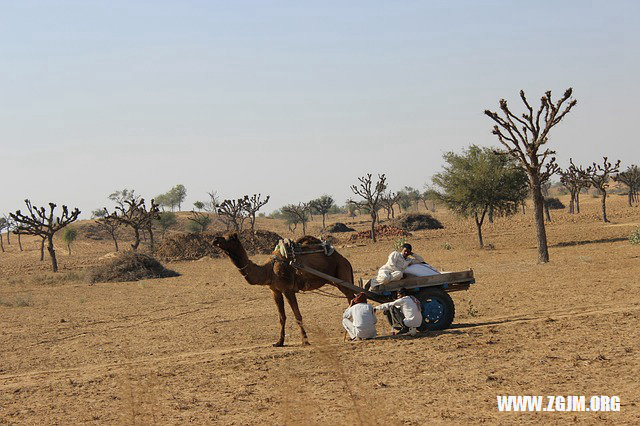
point(197, 348)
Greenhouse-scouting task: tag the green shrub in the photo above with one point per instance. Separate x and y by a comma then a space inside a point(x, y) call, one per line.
point(69, 235)
point(634, 238)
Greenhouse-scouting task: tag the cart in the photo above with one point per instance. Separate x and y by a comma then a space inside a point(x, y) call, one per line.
point(438, 309)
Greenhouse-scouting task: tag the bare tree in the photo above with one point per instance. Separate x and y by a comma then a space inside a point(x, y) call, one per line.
point(10, 227)
point(110, 223)
point(631, 178)
point(573, 179)
point(524, 137)
point(135, 215)
point(9, 224)
point(372, 196)
point(233, 212)
point(599, 176)
point(388, 201)
point(212, 204)
point(299, 212)
point(251, 206)
point(44, 224)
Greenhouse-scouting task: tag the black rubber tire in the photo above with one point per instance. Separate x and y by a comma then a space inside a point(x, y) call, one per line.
point(448, 312)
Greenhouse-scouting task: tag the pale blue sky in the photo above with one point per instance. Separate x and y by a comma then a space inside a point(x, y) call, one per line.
point(293, 98)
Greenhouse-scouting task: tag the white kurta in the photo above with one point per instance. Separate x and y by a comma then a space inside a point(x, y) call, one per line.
point(410, 310)
point(360, 321)
point(394, 268)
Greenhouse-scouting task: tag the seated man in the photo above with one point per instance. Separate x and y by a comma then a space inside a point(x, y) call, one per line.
point(405, 313)
point(398, 261)
point(359, 319)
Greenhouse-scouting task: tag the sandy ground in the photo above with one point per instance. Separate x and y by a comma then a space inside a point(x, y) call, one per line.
point(197, 348)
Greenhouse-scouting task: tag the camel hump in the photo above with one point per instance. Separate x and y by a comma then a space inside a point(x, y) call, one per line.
point(308, 240)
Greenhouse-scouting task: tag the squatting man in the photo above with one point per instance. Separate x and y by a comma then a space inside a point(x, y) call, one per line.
point(404, 313)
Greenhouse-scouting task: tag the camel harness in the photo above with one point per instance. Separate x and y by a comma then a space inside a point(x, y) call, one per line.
point(289, 248)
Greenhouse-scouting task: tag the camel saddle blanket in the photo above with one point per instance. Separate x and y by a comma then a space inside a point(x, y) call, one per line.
point(289, 249)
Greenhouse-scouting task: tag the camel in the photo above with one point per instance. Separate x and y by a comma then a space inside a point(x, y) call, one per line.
point(284, 280)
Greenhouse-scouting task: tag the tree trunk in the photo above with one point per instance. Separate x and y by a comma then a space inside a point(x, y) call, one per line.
point(547, 216)
point(69, 248)
point(1, 243)
point(373, 226)
point(115, 241)
point(630, 198)
point(490, 216)
point(52, 253)
point(524, 207)
point(304, 228)
point(136, 242)
point(151, 245)
point(571, 202)
point(8, 239)
point(604, 206)
point(479, 226)
point(578, 201)
point(538, 217)
point(19, 242)
point(42, 250)
point(324, 220)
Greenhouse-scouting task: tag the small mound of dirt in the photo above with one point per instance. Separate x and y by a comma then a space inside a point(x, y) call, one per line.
point(129, 266)
point(554, 203)
point(381, 231)
point(339, 227)
point(92, 231)
point(187, 247)
point(197, 246)
point(264, 242)
point(417, 221)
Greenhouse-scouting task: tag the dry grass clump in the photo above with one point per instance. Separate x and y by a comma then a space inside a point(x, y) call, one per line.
point(197, 246)
point(129, 266)
point(417, 221)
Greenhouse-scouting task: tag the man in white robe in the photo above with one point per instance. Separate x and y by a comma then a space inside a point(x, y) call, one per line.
point(405, 313)
point(359, 319)
point(398, 261)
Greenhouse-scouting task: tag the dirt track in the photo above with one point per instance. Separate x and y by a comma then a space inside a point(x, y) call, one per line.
point(198, 347)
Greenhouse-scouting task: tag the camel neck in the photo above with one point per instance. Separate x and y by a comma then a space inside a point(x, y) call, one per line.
point(252, 273)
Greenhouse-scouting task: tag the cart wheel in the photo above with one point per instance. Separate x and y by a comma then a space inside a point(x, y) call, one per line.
point(438, 309)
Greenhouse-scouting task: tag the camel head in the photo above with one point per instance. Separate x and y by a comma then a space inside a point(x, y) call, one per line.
point(232, 247)
point(228, 244)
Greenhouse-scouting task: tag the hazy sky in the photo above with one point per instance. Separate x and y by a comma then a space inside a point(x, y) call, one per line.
point(293, 98)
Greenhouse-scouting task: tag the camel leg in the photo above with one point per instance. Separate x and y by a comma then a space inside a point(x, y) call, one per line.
point(348, 293)
point(346, 274)
point(293, 302)
point(277, 297)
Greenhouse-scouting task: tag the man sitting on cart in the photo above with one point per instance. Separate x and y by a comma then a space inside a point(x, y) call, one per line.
point(398, 261)
point(404, 313)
